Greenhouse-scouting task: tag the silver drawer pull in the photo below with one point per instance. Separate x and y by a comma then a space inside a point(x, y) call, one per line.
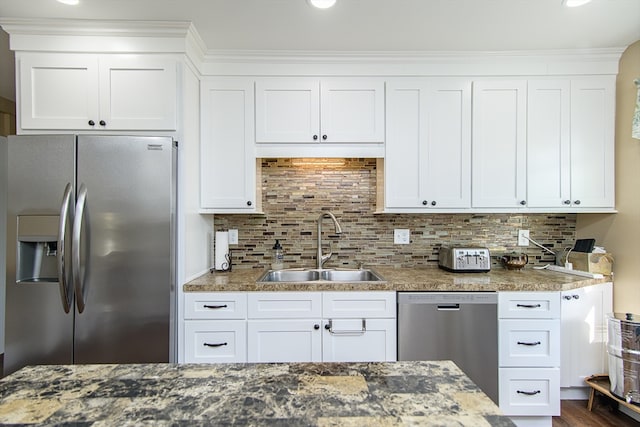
point(329, 327)
point(529, 343)
point(214, 307)
point(206, 344)
point(528, 305)
point(529, 393)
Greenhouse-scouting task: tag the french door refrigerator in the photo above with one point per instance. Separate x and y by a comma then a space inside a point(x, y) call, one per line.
point(90, 272)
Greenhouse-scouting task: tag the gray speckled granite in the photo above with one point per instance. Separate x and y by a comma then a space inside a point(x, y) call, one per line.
point(403, 279)
point(297, 394)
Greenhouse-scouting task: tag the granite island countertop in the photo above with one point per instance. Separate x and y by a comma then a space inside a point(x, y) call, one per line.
point(403, 279)
point(296, 394)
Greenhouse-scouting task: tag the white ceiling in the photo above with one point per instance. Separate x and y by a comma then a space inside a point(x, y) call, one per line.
point(371, 25)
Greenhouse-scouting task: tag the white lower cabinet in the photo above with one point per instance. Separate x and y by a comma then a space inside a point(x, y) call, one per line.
point(269, 327)
point(359, 340)
point(526, 391)
point(286, 340)
point(584, 336)
point(529, 356)
point(215, 341)
point(215, 329)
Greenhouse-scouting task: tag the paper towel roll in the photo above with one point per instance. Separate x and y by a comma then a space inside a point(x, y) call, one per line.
point(221, 250)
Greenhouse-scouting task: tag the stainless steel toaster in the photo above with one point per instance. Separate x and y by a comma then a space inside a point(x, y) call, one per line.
point(464, 260)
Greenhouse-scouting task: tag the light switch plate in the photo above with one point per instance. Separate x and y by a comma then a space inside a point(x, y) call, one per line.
point(233, 237)
point(401, 236)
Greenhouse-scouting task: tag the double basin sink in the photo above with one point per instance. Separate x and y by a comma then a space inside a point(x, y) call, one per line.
point(315, 275)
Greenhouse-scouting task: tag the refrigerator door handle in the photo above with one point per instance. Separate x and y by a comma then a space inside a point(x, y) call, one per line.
point(66, 212)
point(77, 273)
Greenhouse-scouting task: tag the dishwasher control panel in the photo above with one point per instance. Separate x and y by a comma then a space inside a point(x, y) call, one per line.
point(464, 260)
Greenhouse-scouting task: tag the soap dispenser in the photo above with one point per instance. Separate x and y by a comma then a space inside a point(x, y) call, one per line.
point(278, 257)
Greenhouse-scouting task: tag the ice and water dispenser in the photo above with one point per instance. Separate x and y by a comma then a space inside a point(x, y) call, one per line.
point(37, 240)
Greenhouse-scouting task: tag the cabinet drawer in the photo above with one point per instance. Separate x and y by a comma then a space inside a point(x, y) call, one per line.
point(218, 305)
point(359, 304)
point(534, 391)
point(529, 305)
point(284, 305)
point(526, 343)
point(215, 341)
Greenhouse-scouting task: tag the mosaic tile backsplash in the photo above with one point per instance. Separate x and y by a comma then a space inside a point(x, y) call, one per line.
point(293, 197)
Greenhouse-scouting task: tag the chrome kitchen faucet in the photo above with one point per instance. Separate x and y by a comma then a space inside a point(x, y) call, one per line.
point(320, 257)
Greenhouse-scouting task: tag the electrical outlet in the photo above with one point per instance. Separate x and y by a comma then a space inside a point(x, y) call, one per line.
point(233, 237)
point(401, 236)
point(523, 237)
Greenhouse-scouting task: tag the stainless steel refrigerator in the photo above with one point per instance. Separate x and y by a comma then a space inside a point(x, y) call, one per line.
point(90, 250)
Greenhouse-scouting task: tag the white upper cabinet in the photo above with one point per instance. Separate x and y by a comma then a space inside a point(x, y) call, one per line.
point(97, 92)
point(592, 142)
point(499, 161)
point(428, 144)
point(570, 143)
point(328, 110)
point(227, 151)
point(548, 143)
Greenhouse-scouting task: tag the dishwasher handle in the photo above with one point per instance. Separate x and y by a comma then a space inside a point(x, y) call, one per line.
point(448, 307)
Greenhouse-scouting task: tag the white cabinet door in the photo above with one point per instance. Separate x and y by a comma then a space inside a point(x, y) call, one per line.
point(97, 92)
point(404, 171)
point(287, 110)
point(352, 110)
point(289, 340)
point(309, 110)
point(592, 141)
point(58, 91)
point(137, 93)
point(428, 138)
point(227, 153)
point(584, 333)
point(548, 144)
point(499, 144)
point(359, 340)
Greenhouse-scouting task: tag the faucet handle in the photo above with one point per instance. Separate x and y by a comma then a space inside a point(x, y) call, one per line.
point(325, 258)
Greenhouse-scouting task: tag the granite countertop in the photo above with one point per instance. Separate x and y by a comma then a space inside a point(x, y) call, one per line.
point(297, 394)
point(403, 279)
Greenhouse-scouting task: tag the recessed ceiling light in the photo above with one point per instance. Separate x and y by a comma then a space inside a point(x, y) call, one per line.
point(574, 3)
point(322, 4)
point(69, 2)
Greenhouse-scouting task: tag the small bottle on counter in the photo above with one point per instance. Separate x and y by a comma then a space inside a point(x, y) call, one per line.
point(278, 257)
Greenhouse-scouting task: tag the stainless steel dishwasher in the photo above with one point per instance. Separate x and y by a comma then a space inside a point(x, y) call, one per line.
point(458, 326)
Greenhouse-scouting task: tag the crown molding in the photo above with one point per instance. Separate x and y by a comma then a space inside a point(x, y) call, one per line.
point(80, 35)
point(354, 57)
point(405, 63)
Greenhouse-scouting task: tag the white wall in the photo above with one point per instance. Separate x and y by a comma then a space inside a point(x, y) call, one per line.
point(619, 233)
point(194, 230)
point(7, 69)
point(3, 232)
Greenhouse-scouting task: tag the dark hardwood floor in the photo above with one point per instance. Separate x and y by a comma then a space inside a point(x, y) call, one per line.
point(574, 413)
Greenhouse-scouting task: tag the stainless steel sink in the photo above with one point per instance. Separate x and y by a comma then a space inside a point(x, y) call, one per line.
point(314, 275)
point(290, 276)
point(350, 276)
